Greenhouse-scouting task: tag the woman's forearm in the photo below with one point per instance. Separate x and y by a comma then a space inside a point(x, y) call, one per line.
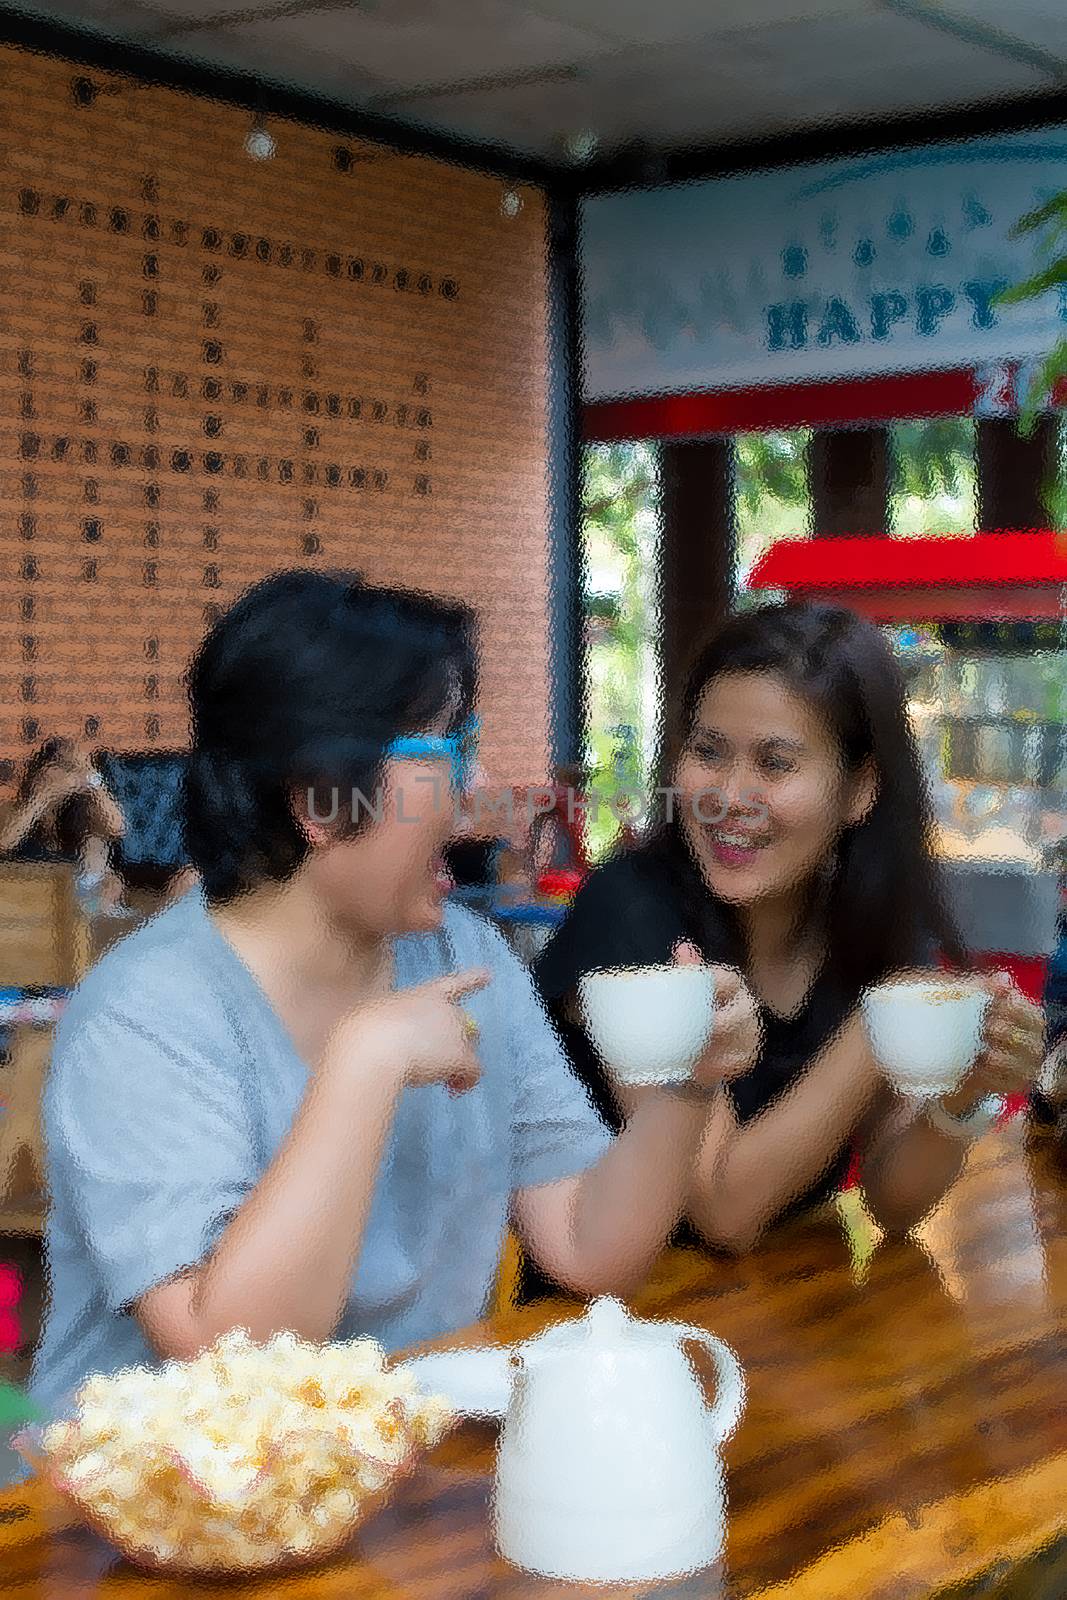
point(95, 854)
point(906, 1168)
point(630, 1200)
point(108, 814)
point(287, 1257)
point(746, 1177)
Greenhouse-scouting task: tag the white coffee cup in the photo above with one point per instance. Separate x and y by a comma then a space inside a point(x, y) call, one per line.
point(649, 1024)
point(926, 1033)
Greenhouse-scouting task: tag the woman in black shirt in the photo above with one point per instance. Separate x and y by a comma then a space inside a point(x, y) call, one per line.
point(794, 847)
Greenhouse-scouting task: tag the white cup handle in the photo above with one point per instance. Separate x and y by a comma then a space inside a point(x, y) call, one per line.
point(730, 1392)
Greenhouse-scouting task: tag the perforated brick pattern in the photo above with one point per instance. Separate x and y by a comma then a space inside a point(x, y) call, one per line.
point(213, 367)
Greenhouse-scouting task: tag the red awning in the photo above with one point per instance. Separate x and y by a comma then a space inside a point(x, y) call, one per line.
point(1011, 576)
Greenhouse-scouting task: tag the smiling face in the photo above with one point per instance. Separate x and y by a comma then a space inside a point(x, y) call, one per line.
point(763, 794)
point(389, 879)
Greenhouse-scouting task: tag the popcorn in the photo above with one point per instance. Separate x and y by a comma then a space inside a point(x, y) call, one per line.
point(245, 1457)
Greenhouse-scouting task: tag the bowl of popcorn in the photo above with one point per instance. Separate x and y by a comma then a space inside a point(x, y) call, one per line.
point(247, 1459)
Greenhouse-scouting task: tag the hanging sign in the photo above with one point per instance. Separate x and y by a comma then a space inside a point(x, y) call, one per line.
point(872, 265)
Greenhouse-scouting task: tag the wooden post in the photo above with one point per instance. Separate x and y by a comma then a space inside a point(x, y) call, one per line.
point(698, 552)
point(1013, 473)
point(848, 470)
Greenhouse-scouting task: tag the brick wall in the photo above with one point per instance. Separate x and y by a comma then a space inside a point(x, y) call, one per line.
point(212, 367)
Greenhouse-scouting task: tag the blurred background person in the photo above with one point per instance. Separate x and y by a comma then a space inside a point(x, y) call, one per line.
point(64, 812)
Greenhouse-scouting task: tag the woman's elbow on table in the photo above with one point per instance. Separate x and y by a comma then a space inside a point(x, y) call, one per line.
point(725, 1212)
point(735, 1238)
point(605, 1264)
point(896, 1216)
point(591, 1282)
point(167, 1316)
point(731, 1228)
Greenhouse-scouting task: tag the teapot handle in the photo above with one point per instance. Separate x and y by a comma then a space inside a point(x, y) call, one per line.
point(730, 1392)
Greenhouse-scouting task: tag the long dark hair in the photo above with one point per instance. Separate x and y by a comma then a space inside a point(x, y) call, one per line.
point(884, 904)
point(305, 681)
point(55, 751)
point(68, 828)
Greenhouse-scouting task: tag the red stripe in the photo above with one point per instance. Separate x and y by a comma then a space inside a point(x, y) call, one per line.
point(1036, 556)
point(950, 393)
point(996, 603)
point(794, 405)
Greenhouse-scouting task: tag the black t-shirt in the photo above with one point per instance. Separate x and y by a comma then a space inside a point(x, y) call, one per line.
point(632, 911)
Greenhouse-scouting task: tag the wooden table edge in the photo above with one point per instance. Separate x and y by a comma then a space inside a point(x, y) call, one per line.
point(943, 1545)
point(937, 1548)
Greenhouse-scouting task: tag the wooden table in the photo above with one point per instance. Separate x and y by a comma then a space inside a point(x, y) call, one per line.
point(22, 1201)
point(906, 1432)
point(46, 940)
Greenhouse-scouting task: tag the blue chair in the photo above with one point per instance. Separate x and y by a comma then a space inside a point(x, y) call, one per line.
point(149, 788)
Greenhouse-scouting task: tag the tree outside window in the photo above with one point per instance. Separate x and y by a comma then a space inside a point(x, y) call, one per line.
point(620, 536)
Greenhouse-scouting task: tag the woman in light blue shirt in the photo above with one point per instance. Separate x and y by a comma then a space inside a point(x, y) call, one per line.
point(311, 1095)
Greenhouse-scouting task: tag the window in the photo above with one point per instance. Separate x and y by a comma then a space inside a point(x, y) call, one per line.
point(772, 497)
point(1057, 499)
point(933, 485)
point(620, 537)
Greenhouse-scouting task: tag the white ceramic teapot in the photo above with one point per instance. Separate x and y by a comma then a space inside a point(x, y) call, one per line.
point(608, 1469)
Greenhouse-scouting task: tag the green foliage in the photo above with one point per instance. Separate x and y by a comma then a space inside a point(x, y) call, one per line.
point(619, 485)
point(1049, 223)
point(618, 480)
point(604, 608)
point(933, 477)
point(930, 457)
point(771, 466)
point(1052, 211)
point(771, 501)
point(932, 460)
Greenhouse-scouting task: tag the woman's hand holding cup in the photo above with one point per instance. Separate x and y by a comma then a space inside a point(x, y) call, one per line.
point(735, 1038)
point(952, 1041)
point(682, 1025)
point(1011, 1050)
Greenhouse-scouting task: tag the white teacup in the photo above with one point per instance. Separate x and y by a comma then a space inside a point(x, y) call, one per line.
point(926, 1033)
point(649, 1024)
